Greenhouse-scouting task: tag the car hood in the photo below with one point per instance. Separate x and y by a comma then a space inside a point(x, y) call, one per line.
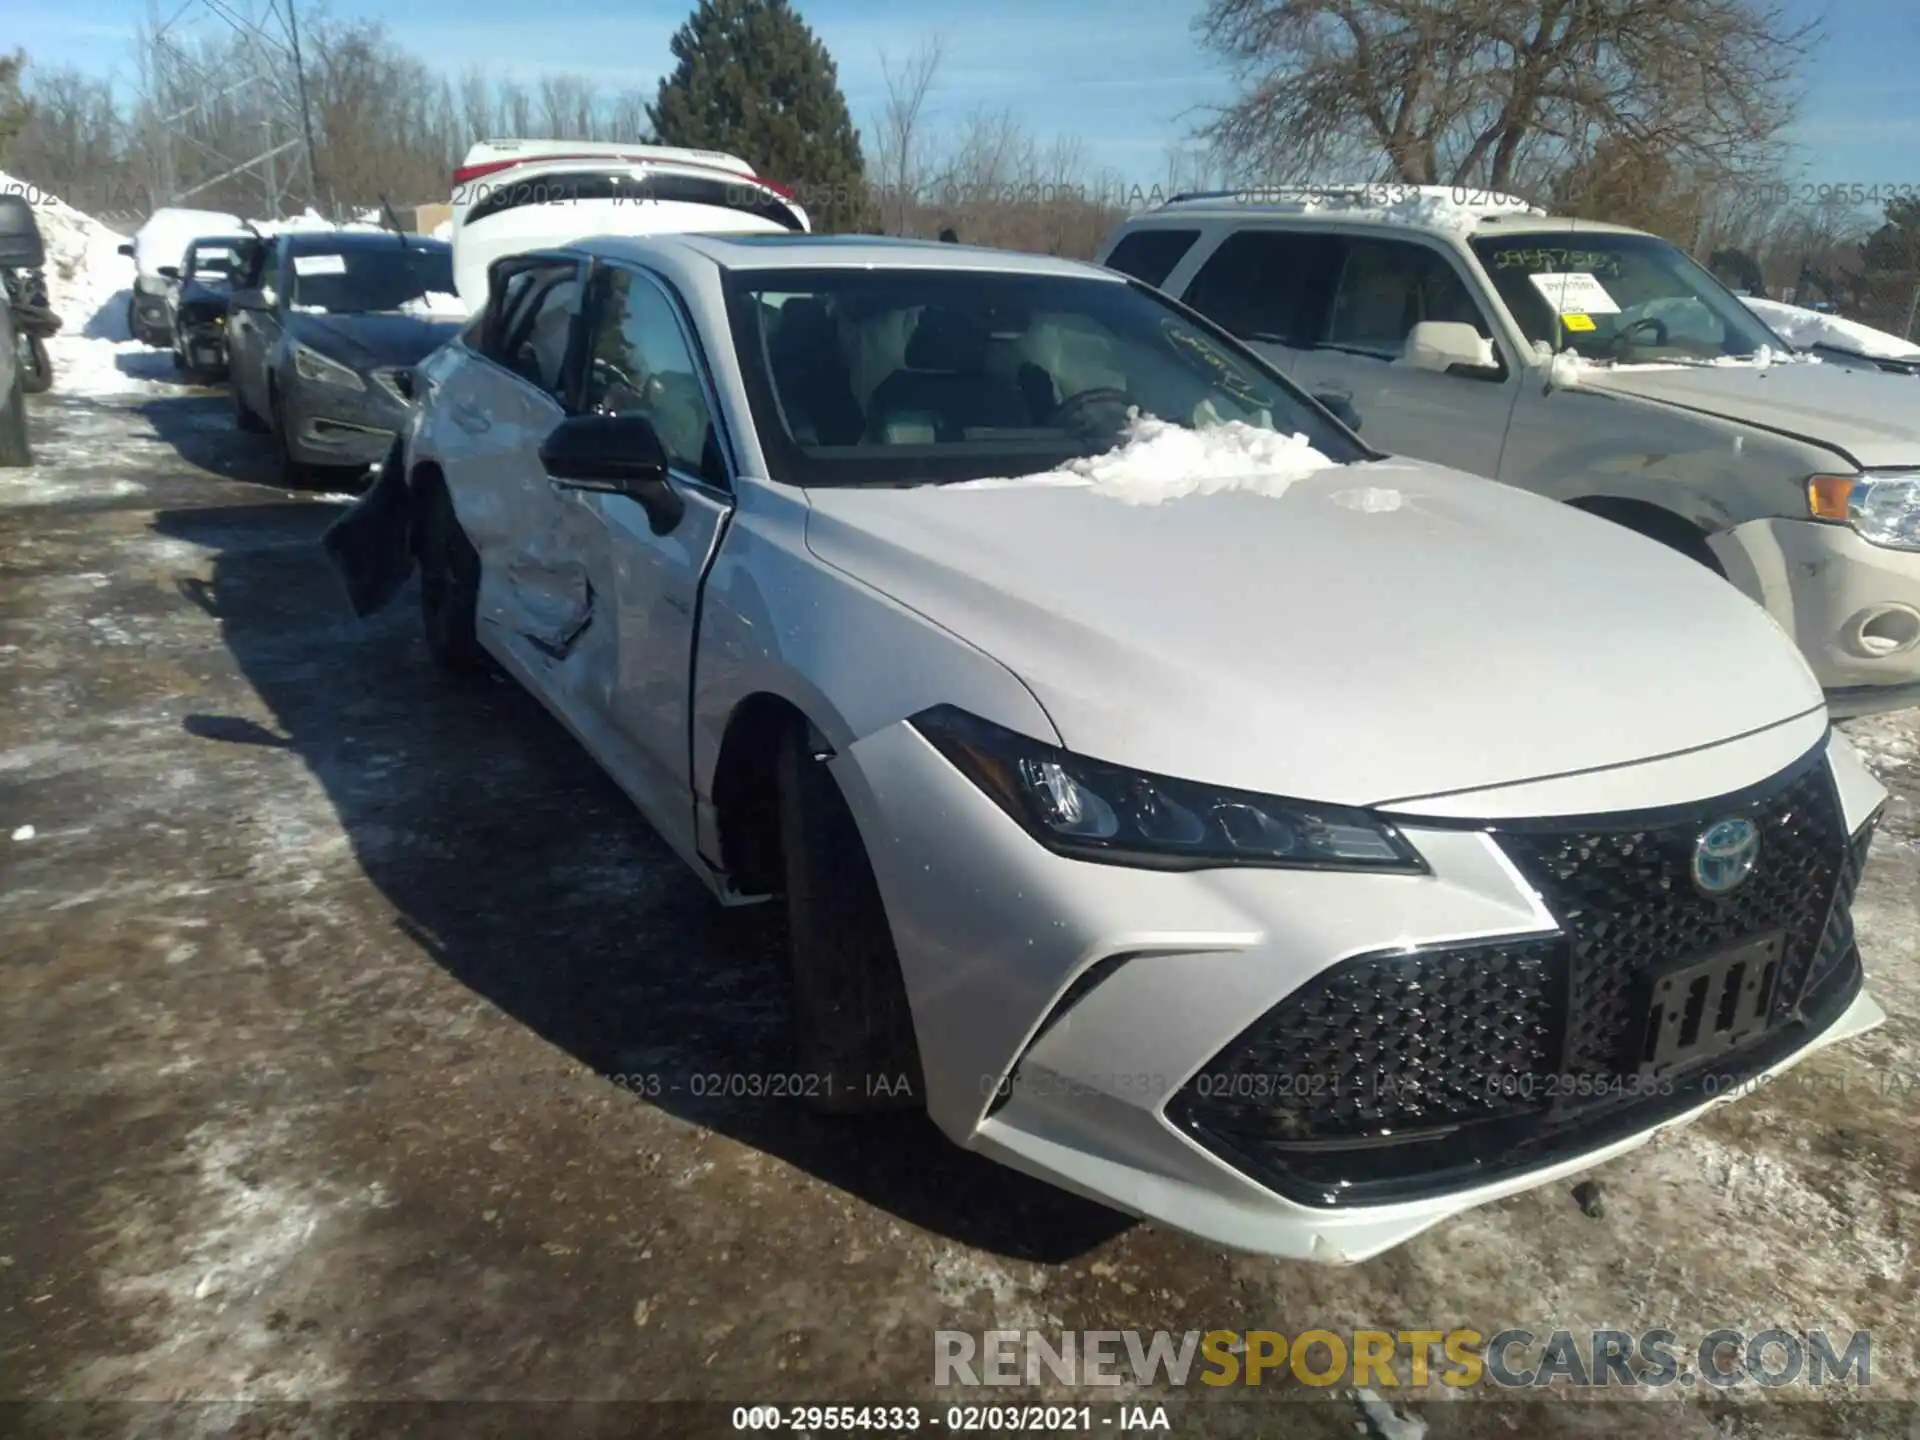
point(364, 341)
point(1377, 632)
point(1867, 416)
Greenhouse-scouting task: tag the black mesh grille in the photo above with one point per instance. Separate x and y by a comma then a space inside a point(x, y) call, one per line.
point(1512, 1054)
point(1626, 899)
point(1395, 1041)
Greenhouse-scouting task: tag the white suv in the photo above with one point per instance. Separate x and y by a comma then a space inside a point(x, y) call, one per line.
point(1593, 364)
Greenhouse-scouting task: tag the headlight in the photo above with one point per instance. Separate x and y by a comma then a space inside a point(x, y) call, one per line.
point(1096, 811)
point(312, 365)
point(1883, 509)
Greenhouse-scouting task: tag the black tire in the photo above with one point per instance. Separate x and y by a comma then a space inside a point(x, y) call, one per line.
point(36, 366)
point(449, 588)
point(853, 1027)
point(15, 449)
point(243, 416)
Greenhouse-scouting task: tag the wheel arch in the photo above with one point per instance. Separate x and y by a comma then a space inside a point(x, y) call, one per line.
point(1656, 522)
point(745, 789)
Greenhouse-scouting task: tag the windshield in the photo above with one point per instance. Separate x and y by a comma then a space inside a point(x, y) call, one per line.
point(213, 262)
point(1629, 298)
point(869, 376)
point(361, 279)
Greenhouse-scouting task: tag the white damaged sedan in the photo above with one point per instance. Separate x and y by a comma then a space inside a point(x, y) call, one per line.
point(1184, 803)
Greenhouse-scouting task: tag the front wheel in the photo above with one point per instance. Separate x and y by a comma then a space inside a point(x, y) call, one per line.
point(36, 366)
point(853, 1028)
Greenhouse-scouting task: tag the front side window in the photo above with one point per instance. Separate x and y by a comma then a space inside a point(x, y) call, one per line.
point(1386, 287)
point(1619, 297)
point(370, 279)
point(875, 376)
point(639, 363)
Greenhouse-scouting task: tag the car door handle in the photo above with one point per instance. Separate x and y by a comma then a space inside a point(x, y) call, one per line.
point(471, 418)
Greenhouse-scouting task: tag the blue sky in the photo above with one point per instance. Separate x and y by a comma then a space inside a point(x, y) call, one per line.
point(1126, 76)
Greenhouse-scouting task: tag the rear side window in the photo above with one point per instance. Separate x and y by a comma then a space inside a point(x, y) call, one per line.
point(1255, 286)
point(491, 197)
point(1151, 254)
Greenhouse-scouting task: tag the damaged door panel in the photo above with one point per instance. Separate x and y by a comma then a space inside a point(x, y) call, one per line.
point(371, 546)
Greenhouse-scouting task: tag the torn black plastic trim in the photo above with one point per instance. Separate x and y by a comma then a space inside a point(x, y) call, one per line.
point(371, 546)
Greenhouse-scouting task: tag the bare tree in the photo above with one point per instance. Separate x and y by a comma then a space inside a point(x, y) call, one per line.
point(899, 137)
point(1482, 92)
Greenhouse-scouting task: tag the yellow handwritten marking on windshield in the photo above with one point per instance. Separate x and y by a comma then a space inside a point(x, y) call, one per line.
point(1577, 322)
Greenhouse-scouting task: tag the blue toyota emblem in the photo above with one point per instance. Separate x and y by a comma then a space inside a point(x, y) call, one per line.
point(1725, 855)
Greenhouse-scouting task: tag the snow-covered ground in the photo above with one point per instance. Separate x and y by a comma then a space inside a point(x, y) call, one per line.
point(1799, 326)
point(89, 283)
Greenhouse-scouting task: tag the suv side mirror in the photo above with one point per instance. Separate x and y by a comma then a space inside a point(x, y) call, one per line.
point(169, 272)
point(614, 455)
point(1440, 345)
point(126, 249)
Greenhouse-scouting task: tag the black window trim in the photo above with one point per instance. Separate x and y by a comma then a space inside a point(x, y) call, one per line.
point(690, 336)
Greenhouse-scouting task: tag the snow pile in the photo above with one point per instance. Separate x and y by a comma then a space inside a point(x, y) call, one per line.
point(1159, 461)
point(89, 283)
point(1798, 326)
point(437, 305)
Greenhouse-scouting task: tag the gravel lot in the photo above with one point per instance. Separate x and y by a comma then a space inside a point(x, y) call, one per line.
point(316, 969)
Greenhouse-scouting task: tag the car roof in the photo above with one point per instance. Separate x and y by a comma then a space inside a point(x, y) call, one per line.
point(1480, 215)
point(785, 251)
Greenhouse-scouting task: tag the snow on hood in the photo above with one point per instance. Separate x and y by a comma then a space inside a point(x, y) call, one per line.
point(1159, 461)
point(88, 284)
point(164, 238)
point(1799, 326)
point(437, 305)
point(1334, 636)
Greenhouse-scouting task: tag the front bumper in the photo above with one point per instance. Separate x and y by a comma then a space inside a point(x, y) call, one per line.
point(332, 425)
point(1066, 1010)
point(1852, 607)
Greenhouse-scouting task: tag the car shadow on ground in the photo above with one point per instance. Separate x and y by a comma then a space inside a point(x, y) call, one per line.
point(517, 865)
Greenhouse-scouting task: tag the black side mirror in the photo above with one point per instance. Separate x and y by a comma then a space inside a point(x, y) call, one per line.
point(169, 272)
point(127, 249)
point(614, 455)
point(1342, 409)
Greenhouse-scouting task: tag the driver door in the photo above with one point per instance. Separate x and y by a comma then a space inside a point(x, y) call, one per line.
point(644, 358)
point(1384, 288)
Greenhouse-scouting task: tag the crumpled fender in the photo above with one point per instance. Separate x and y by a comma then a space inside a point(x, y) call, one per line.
point(371, 546)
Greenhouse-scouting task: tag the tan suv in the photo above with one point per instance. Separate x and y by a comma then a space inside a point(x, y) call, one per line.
point(1589, 362)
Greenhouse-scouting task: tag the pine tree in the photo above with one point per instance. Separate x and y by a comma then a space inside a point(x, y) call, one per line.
point(753, 80)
